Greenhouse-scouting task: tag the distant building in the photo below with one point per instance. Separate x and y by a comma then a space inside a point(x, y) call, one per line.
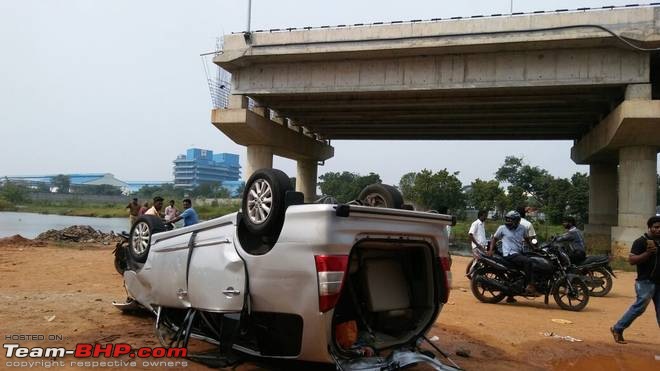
point(34, 181)
point(199, 166)
point(74, 179)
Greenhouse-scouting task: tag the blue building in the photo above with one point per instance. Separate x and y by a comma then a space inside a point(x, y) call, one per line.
point(199, 166)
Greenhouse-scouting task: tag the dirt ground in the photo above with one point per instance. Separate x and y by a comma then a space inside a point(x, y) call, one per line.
point(68, 291)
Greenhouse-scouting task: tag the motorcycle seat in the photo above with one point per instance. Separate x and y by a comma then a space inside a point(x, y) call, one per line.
point(595, 259)
point(500, 259)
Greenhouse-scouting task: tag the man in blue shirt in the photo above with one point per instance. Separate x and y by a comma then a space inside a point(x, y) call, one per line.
point(513, 236)
point(189, 215)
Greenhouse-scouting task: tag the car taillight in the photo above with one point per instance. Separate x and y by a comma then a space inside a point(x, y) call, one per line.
point(330, 270)
point(445, 264)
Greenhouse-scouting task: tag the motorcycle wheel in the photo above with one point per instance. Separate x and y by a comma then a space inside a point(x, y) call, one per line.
point(574, 300)
point(483, 294)
point(120, 258)
point(599, 282)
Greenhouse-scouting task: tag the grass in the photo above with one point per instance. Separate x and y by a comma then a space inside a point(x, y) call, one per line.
point(207, 212)
point(543, 231)
point(109, 210)
point(7, 206)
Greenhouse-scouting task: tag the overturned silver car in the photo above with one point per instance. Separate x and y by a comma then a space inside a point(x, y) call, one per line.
point(353, 285)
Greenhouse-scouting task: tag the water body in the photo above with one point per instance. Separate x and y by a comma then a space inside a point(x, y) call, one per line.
point(29, 225)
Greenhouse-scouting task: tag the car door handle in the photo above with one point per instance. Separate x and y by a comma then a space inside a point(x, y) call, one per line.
point(230, 291)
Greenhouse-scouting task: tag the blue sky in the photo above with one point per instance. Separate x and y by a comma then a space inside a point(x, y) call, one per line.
point(118, 86)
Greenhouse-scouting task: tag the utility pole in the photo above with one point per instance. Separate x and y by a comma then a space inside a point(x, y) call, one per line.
point(249, 14)
point(511, 7)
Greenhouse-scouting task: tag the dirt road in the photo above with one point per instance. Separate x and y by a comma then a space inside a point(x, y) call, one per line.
point(67, 291)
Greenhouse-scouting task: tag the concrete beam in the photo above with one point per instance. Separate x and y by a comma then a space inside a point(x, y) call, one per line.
point(558, 67)
point(632, 123)
point(445, 36)
point(258, 157)
point(637, 195)
point(306, 179)
point(248, 128)
point(602, 207)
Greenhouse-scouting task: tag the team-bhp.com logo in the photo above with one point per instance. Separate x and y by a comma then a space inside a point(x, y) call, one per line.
point(122, 350)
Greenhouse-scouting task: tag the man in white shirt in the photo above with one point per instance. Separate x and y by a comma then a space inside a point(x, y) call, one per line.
point(170, 211)
point(531, 233)
point(477, 232)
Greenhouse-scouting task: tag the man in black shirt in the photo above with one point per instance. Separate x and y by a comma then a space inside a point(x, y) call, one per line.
point(643, 254)
point(573, 238)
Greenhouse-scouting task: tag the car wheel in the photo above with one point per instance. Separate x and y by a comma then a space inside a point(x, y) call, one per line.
point(381, 195)
point(140, 237)
point(263, 203)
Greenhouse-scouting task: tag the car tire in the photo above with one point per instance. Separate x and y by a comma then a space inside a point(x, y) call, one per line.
point(381, 195)
point(140, 237)
point(263, 204)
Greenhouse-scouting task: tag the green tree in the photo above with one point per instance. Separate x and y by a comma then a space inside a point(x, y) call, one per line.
point(441, 191)
point(62, 183)
point(533, 180)
point(407, 184)
point(13, 192)
point(578, 197)
point(241, 189)
point(556, 201)
point(483, 195)
point(345, 186)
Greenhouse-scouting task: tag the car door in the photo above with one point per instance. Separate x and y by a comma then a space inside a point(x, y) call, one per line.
point(216, 273)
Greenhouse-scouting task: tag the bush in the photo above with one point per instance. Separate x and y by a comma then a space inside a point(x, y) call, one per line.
point(7, 206)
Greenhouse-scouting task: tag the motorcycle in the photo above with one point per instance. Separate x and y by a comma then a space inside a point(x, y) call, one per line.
point(121, 253)
point(493, 278)
point(598, 274)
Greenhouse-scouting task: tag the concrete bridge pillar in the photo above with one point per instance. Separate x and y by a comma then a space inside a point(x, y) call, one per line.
point(258, 157)
point(637, 195)
point(602, 206)
point(306, 179)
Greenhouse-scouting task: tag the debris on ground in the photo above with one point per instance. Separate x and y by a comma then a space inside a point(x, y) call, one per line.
point(565, 337)
point(18, 240)
point(434, 338)
point(561, 321)
point(80, 233)
point(463, 352)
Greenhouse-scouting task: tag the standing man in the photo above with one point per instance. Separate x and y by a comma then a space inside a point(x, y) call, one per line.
point(644, 255)
point(170, 211)
point(144, 208)
point(477, 233)
point(134, 209)
point(531, 233)
point(189, 215)
point(513, 237)
point(573, 236)
point(158, 205)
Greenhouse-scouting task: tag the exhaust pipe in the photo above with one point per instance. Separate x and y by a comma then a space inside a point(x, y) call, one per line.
point(492, 284)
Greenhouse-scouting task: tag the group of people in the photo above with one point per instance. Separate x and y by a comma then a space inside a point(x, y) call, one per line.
point(518, 231)
point(170, 215)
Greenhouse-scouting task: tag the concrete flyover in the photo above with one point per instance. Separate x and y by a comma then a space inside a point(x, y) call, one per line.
point(591, 76)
